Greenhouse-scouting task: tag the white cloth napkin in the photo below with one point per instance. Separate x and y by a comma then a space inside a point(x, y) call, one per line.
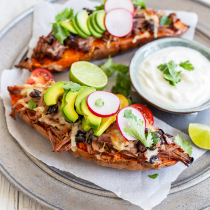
point(134, 186)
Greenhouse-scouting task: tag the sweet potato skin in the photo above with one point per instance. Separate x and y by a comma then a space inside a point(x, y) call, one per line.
point(122, 163)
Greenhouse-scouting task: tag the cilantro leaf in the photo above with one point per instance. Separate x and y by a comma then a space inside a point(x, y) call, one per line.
point(71, 86)
point(187, 65)
point(64, 15)
point(110, 67)
point(154, 176)
point(140, 3)
point(59, 32)
point(128, 114)
point(99, 102)
point(136, 129)
point(101, 6)
point(164, 20)
point(185, 145)
point(169, 72)
point(119, 90)
point(31, 104)
point(155, 138)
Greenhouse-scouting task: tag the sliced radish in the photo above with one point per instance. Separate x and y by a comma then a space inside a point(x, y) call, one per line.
point(111, 103)
point(119, 22)
point(115, 4)
point(122, 121)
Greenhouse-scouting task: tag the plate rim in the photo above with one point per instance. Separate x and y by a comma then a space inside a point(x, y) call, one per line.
point(4, 172)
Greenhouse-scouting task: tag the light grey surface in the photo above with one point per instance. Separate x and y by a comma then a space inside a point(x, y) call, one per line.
point(34, 182)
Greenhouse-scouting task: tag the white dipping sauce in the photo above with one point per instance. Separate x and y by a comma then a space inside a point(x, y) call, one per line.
point(192, 91)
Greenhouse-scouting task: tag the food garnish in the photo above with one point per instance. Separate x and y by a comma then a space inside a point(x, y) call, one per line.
point(115, 4)
point(101, 6)
point(185, 145)
point(145, 111)
point(39, 76)
point(107, 104)
point(88, 74)
point(164, 20)
point(187, 65)
point(169, 72)
point(71, 86)
point(128, 114)
point(140, 3)
point(61, 32)
point(200, 135)
point(154, 176)
point(99, 102)
point(31, 104)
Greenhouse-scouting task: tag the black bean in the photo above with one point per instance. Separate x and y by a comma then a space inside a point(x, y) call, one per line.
point(52, 109)
point(152, 27)
point(89, 139)
point(168, 135)
point(96, 48)
point(153, 159)
point(80, 138)
point(73, 37)
point(141, 147)
point(160, 132)
point(81, 132)
point(162, 141)
point(35, 93)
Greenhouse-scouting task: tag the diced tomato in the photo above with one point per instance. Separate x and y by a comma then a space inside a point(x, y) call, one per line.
point(39, 76)
point(146, 112)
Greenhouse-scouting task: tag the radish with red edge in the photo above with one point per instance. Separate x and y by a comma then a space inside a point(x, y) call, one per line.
point(116, 4)
point(122, 121)
point(119, 22)
point(103, 104)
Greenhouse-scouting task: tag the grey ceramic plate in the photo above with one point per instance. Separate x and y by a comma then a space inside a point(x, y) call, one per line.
point(52, 188)
point(149, 49)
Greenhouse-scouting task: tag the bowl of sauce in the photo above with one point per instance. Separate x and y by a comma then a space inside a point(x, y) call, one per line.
point(173, 74)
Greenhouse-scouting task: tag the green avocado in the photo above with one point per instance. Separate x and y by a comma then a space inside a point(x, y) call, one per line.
point(69, 26)
point(85, 92)
point(100, 19)
point(94, 24)
point(81, 21)
point(85, 126)
point(93, 32)
point(92, 120)
point(80, 32)
point(53, 93)
point(68, 109)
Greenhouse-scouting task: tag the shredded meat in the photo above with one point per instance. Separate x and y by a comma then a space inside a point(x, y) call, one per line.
point(48, 46)
point(128, 154)
point(15, 90)
point(105, 138)
point(25, 63)
point(62, 143)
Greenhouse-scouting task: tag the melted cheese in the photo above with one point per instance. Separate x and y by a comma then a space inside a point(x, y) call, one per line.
point(74, 131)
point(119, 142)
point(155, 19)
point(150, 153)
point(146, 34)
point(29, 88)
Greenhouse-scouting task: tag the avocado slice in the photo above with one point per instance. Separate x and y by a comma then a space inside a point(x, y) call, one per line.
point(106, 122)
point(68, 108)
point(53, 93)
point(85, 92)
point(93, 32)
point(100, 19)
point(78, 29)
point(69, 26)
point(92, 120)
point(94, 24)
point(85, 126)
point(81, 21)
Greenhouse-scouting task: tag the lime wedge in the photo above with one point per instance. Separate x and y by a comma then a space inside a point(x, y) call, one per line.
point(86, 73)
point(200, 135)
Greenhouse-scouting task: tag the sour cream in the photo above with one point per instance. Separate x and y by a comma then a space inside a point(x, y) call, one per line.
point(192, 91)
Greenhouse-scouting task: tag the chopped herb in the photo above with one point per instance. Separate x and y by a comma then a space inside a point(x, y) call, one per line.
point(130, 101)
point(65, 15)
point(101, 6)
point(31, 104)
point(136, 129)
point(71, 86)
point(155, 138)
point(164, 20)
point(185, 145)
point(140, 3)
point(59, 32)
point(187, 65)
point(154, 176)
point(99, 102)
point(169, 72)
point(128, 114)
